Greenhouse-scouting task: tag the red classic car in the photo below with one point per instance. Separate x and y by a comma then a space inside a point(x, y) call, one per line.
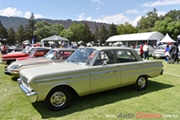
point(35, 53)
point(11, 57)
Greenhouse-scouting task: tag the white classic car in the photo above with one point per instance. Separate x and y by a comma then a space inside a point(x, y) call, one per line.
point(88, 70)
point(53, 56)
point(159, 52)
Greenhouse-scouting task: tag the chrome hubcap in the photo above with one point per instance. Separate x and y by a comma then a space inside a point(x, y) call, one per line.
point(58, 99)
point(141, 82)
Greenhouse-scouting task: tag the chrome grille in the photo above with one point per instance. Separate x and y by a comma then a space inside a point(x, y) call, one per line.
point(24, 79)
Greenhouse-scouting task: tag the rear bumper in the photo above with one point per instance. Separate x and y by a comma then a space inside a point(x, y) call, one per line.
point(32, 96)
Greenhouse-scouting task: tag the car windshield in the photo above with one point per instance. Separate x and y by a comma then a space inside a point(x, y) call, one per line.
point(27, 50)
point(32, 52)
point(82, 55)
point(51, 54)
point(161, 47)
point(137, 47)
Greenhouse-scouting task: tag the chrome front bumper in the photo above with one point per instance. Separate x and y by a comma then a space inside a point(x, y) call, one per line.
point(32, 96)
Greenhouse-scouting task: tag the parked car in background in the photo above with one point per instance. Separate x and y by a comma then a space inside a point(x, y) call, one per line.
point(151, 49)
point(88, 70)
point(53, 56)
point(11, 57)
point(159, 51)
point(35, 53)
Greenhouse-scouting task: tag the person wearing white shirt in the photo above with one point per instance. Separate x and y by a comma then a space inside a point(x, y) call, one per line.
point(146, 50)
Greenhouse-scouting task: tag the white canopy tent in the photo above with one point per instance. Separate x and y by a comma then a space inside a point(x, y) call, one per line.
point(167, 39)
point(54, 38)
point(178, 36)
point(137, 38)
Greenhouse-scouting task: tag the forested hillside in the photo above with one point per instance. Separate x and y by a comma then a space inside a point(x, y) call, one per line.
point(15, 22)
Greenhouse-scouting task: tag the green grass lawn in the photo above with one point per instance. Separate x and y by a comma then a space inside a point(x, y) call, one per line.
point(161, 98)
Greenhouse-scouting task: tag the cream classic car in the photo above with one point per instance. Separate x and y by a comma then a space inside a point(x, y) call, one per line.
point(53, 56)
point(88, 70)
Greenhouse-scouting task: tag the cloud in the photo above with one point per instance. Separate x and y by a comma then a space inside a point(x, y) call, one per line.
point(81, 16)
point(97, 1)
point(135, 21)
point(116, 19)
point(17, 13)
point(11, 12)
point(134, 11)
point(161, 3)
point(28, 15)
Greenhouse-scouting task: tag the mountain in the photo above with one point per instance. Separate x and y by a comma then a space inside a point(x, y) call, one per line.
point(15, 22)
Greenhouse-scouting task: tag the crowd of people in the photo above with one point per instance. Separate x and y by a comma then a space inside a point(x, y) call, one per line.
point(171, 53)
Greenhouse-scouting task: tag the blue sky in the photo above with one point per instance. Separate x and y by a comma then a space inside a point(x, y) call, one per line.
point(107, 11)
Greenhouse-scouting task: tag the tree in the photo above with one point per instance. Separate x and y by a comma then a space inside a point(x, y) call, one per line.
point(112, 30)
point(126, 29)
point(67, 33)
point(168, 26)
point(87, 34)
point(11, 34)
point(146, 23)
point(96, 34)
point(43, 30)
point(56, 29)
point(103, 34)
point(173, 14)
point(20, 34)
point(3, 33)
point(30, 28)
point(77, 31)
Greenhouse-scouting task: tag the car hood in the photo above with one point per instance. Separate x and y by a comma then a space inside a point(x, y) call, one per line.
point(50, 70)
point(32, 61)
point(14, 54)
point(23, 58)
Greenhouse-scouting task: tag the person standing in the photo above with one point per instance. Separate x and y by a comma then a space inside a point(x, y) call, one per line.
point(174, 53)
point(3, 49)
point(141, 51)
point(167, 49)
point(146, 51)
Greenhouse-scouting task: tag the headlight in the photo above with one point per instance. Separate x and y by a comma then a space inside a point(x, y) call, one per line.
point(14, 66)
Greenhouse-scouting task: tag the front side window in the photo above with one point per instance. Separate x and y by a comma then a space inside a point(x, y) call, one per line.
point(105, 57)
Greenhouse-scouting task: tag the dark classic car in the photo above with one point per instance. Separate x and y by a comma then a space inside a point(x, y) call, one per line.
point(53, 56)
point(88, 70)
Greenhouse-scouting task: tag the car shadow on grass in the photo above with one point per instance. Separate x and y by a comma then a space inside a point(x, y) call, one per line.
point(99, 99)
point(14, 78)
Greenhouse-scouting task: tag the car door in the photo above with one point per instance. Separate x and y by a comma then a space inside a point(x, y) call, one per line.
point(129, 66)
point(104, 76)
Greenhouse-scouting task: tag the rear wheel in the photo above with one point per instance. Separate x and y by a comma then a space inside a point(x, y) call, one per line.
point(58, 98)
point(141, 83)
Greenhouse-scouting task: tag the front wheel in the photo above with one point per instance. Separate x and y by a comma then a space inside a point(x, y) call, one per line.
point(58, 99)
point(141, 83)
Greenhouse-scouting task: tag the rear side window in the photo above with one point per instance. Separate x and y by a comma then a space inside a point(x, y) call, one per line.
point(124, 56)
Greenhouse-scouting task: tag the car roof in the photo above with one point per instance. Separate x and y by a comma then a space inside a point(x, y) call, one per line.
point(64, 49)
point(111, 48)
